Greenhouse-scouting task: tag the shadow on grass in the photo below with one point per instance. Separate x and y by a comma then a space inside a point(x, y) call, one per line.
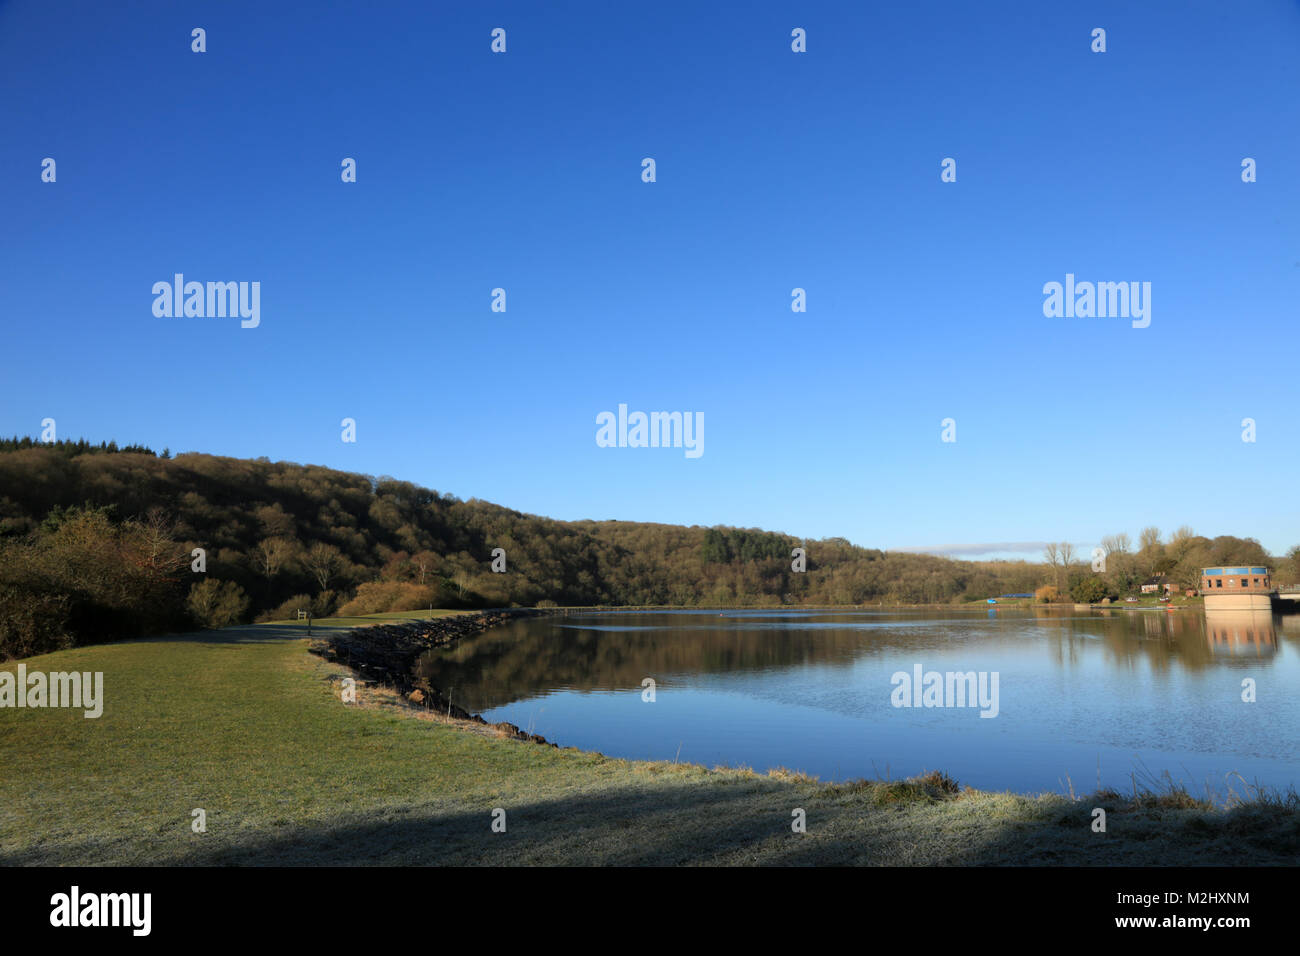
point(656, 825)
point(746, 822)
point(242, 634)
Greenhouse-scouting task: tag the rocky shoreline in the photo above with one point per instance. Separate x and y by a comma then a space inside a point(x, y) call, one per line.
point(386, 654)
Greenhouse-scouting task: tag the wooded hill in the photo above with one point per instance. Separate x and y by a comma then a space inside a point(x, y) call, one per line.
point(97, 543)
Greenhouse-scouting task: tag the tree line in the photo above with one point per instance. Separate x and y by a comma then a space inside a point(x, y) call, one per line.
point(100, 542)
point(1119, 566)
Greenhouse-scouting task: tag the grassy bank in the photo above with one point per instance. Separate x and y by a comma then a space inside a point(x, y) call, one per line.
point(248, 726)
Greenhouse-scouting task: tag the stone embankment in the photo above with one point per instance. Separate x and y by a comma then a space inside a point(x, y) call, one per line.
point(386, 654)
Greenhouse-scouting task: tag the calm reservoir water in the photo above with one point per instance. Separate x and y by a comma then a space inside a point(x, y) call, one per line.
point(1079, 695)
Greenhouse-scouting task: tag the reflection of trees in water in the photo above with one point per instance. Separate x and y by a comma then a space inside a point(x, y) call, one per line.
point(1193, 641)
point(517, 661)
point(1288, 628)
point(532, 656)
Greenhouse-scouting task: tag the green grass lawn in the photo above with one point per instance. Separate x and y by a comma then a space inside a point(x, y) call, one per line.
point(346, 622)
point(248, 726)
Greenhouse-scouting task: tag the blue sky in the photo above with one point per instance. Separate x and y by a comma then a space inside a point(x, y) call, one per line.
point(775, 170)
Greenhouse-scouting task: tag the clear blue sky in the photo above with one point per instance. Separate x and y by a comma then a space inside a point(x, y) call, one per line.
point(775, 170)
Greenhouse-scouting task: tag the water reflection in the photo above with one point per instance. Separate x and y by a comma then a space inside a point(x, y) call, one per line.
point(1242, 632)
point(616, 651)
point(1089, 697)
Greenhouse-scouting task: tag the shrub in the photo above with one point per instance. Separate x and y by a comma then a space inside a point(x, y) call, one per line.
point(288, 610)
point(84, 578)
point(377, 597)
point(1088, 590)
point(214, 603)
point(326, 603)
point(32, 623)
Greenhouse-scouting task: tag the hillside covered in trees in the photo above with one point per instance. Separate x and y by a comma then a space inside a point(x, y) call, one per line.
point(99, 543)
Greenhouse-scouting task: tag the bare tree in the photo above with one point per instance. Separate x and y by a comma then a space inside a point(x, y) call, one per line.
point(163, 554)
point(1052, 554)
point(424, 562)
point(1187, 574)
point(1180, 542)
point(272, 554)
point(1115, 544)
point(1151, 551)
point(323, 561)
point(1293, 555)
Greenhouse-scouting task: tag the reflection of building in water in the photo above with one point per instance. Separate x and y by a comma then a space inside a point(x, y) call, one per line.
point(1236, 588)
point(1288, 627)
point(1241, 632)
